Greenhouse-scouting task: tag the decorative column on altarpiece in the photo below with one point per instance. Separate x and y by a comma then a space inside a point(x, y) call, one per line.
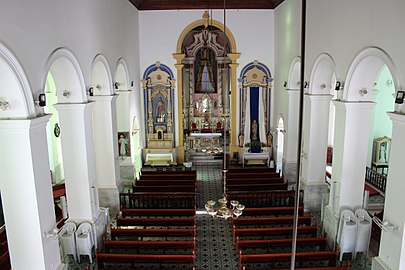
point(233, 66)
point(180, 144)
point(169, 106)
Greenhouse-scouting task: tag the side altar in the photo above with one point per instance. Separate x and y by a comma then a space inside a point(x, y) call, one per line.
point(158, 88)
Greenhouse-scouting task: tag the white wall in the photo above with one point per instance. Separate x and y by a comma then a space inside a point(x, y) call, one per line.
point(33, 29)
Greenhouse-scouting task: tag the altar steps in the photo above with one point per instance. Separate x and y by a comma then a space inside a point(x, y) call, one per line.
point(205, 159)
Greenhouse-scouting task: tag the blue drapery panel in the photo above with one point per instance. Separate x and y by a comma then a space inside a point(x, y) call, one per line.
point(254, 108)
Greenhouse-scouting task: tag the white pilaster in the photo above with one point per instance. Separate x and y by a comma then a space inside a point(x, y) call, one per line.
point(79, 160)
point(106, 150)
point(392, 242)
point(26, 191)
point(350, 152)
point(291, 136)
point(316, 119)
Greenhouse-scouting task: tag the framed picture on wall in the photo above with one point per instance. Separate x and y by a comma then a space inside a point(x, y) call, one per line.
point(124, 148)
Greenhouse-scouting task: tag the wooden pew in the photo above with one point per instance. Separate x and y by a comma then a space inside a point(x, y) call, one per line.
point(272, 211)
point(347, 267)
point(5, 261)
point(158, 212)
point(270, 198)
point(260, 221)
point(287, 231)
point(110, 245)
point(167, 177)
point(254, 170)
point(300, 257)
point(165, 222)
point(319, 242)
point(159, 200)
point(164, 182)
point(186, 172)
point(241, 175)
point(177, 188)
point(164, 233)
point(250, 180)
point(103, 258)
point(252, 187)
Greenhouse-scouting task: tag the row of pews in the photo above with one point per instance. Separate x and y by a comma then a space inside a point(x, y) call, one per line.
point(263, 234)
point(157, 223)
point(4, 255)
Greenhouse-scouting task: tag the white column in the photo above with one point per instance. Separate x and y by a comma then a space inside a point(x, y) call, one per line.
point(26, 191)
point(350, 152)
point(79, 160)
point(315, 139)
point(106, 151)
point(291, 136)
point(392, 242)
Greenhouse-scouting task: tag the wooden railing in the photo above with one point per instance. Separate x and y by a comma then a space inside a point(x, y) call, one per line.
point(376, 179)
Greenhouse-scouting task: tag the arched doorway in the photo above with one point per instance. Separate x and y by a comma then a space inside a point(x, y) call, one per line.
point(280, 145)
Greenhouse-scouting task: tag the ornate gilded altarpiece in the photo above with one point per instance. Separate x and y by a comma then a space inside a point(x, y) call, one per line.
point(158, 87)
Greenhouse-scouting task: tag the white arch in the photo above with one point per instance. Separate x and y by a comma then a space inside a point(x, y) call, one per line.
point(323, 75)
point(121, 75)
point(68, 75)
point(15, 87)
point(364, 70)
point(101, 76)
point(294, 73)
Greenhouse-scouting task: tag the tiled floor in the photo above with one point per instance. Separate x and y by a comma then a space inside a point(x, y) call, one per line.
point(214, 239)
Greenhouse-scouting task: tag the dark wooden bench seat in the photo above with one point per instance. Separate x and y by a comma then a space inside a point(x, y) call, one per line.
point(285, 231)
point(158, 212)
point(319, 242)
point(259, 221)
point(110, 245)
point(306, 268)
point(167, 177)
point(5, 262)
point(241, 175)
point(251, 180)
point(164, 182)
point(253, 170)
point(166, 222)
point(165, 233)
point(269, 198)
point(185, 172)
point(247, 186)
point(103, 258)
point(159, 200)
point(176, 188)
point(300, 257)
point(272, 211)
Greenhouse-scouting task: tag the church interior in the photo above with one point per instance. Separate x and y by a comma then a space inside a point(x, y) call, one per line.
point(155, 134)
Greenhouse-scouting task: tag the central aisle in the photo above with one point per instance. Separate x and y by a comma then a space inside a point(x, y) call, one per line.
point(214, 247)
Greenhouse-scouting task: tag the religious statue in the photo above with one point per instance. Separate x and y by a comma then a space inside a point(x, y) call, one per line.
point(205, 82)
point(160, 111)
point(123, 143)
point(254, 130)
point(240, 139)
point(269, 139)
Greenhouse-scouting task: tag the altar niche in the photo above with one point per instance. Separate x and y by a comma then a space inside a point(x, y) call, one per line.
point(158, 88)
point(255, 136)
point(205, 79)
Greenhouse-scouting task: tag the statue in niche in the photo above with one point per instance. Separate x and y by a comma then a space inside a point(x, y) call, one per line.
point(240, 139)
point(254, 130)
point(160, 111)
point(123, 144)
point(269, 139)
point(205, 71)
